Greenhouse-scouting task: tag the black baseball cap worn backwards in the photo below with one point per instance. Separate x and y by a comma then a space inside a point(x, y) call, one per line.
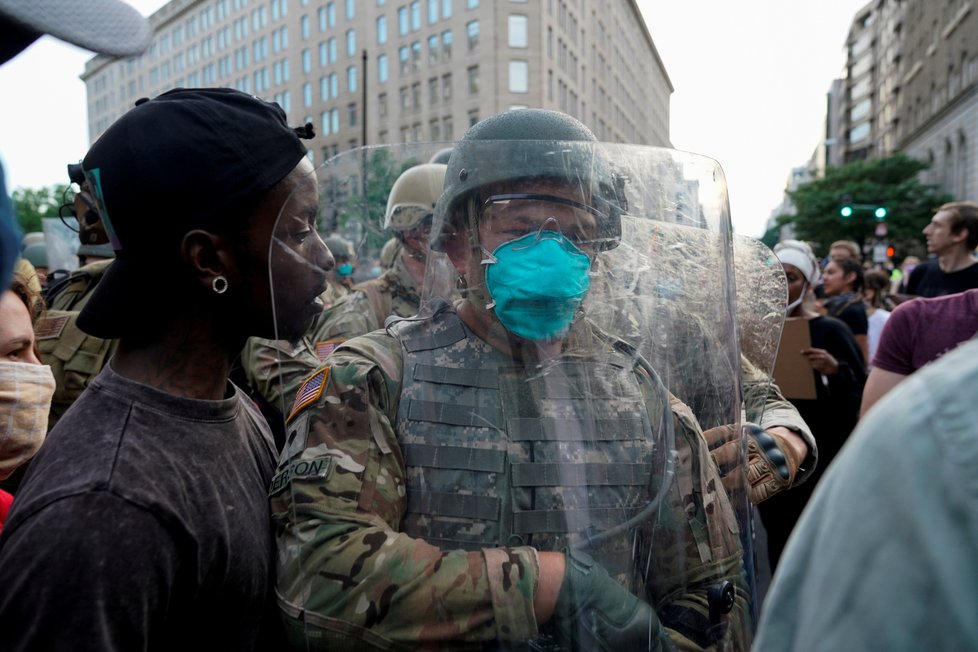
point(171, 164)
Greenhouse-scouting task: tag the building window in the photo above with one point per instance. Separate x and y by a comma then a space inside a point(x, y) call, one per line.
point(402, 21)
point(382, 71)
point(381, 30)
point(331, 14)
point(415, 55)
point(519, 77)
point(351, 110)
point(446, 87)
point(473, 76)
point(432, 11)
point(446, 45)
point(350, 12)
point(471, 4)
point(324, 124)
point(432, 50)
point(351, 79)
point(518, 31)
point(323, 57)
point(306, 61)
point(382, 105)
point(472, 33)
point(307, 94)
point(473, 117)
point(322, 19)
point(434, 129)
point(415, 15)
point(331, 45)
point(416, 96)
point(404, 98)
point(432, 91)
point(446, 8)
point(404, 56)
point(334, 120)
point(351, 42)
point(447, 132)
point(304, 27)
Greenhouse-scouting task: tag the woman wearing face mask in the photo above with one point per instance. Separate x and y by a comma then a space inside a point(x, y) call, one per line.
point(837, 363)
point(843, 283)
point(26, 386)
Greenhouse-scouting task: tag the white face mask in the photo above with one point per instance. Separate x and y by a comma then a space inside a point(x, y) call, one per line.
point(25, 399)
point(794, 304)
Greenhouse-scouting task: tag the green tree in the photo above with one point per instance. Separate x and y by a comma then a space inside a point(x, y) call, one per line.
point(363, 213)
point(891, 182)
point(31, 205)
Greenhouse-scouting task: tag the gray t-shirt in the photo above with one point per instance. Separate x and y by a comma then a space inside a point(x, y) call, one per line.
point(143, 523)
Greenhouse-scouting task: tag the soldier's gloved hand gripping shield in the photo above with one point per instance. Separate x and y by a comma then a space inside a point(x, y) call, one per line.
point(535, 404)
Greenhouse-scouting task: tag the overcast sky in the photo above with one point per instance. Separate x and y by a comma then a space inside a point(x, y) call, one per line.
point(750, 79)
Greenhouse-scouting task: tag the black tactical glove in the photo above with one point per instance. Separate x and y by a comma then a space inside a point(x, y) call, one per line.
point(594, 612)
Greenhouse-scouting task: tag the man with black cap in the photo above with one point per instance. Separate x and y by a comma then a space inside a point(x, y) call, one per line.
point(143, 524)
point(103, 26)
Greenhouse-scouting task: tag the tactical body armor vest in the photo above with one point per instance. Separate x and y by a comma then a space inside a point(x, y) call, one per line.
point(502, 454)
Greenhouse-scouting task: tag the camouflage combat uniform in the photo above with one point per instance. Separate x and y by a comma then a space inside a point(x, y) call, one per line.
point(417, 453)
point(394, 292)
point(74, 356)
point(276, 368)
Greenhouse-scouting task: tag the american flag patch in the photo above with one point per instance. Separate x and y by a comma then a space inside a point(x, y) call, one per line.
point(49, 328)
point(323, 349)
point(310, 391)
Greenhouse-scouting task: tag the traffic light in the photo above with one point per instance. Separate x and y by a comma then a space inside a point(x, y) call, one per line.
point(845, 211)
point(880, 212)
point(890, 251)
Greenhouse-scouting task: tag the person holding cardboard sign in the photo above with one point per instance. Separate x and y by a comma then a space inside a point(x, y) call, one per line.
point(834, 362)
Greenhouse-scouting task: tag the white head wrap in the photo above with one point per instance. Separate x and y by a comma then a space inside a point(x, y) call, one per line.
point(799, 254)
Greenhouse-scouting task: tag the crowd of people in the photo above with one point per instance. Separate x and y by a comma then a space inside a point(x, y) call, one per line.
point(535, 429)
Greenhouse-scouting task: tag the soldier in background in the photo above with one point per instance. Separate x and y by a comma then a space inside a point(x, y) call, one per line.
point(409, 209)
point(341, 278)
point(76, 357)
point(498, 470)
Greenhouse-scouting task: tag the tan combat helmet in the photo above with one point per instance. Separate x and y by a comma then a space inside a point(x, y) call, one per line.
point(413, 196)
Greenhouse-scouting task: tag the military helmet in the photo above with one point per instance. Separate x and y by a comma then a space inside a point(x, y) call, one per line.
point(526, 144)
point(441, 156)
point(413, 196)
point(36, 254)
point(340, 247)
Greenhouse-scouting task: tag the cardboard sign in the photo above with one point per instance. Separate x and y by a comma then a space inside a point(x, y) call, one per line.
point(792, 371)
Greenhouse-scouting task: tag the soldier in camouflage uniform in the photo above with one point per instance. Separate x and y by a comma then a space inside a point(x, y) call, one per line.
point(276, 368)
point(500, 472)
point(409, 209)
point(75, 357)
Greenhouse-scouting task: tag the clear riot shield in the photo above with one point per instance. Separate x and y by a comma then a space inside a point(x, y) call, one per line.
point(578, 321)
point(762, 295)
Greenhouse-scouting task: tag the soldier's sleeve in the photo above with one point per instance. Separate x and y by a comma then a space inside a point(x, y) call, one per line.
point(346, 576)
point(765, 406)
point(276, 368)
point(346, 319)
point(696, 547)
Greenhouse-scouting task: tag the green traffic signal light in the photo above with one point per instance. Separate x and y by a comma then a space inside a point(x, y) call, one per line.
point(880, 212)
point(846, 211)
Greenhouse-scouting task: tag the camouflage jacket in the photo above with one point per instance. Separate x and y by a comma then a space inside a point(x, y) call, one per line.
point(74, 291)
point(75, 357)
point(349, 577)
point(276, 368)
point(394, 292)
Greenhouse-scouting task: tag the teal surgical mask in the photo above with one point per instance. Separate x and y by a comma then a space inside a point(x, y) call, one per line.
point(536, 284)
point(345, 269)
